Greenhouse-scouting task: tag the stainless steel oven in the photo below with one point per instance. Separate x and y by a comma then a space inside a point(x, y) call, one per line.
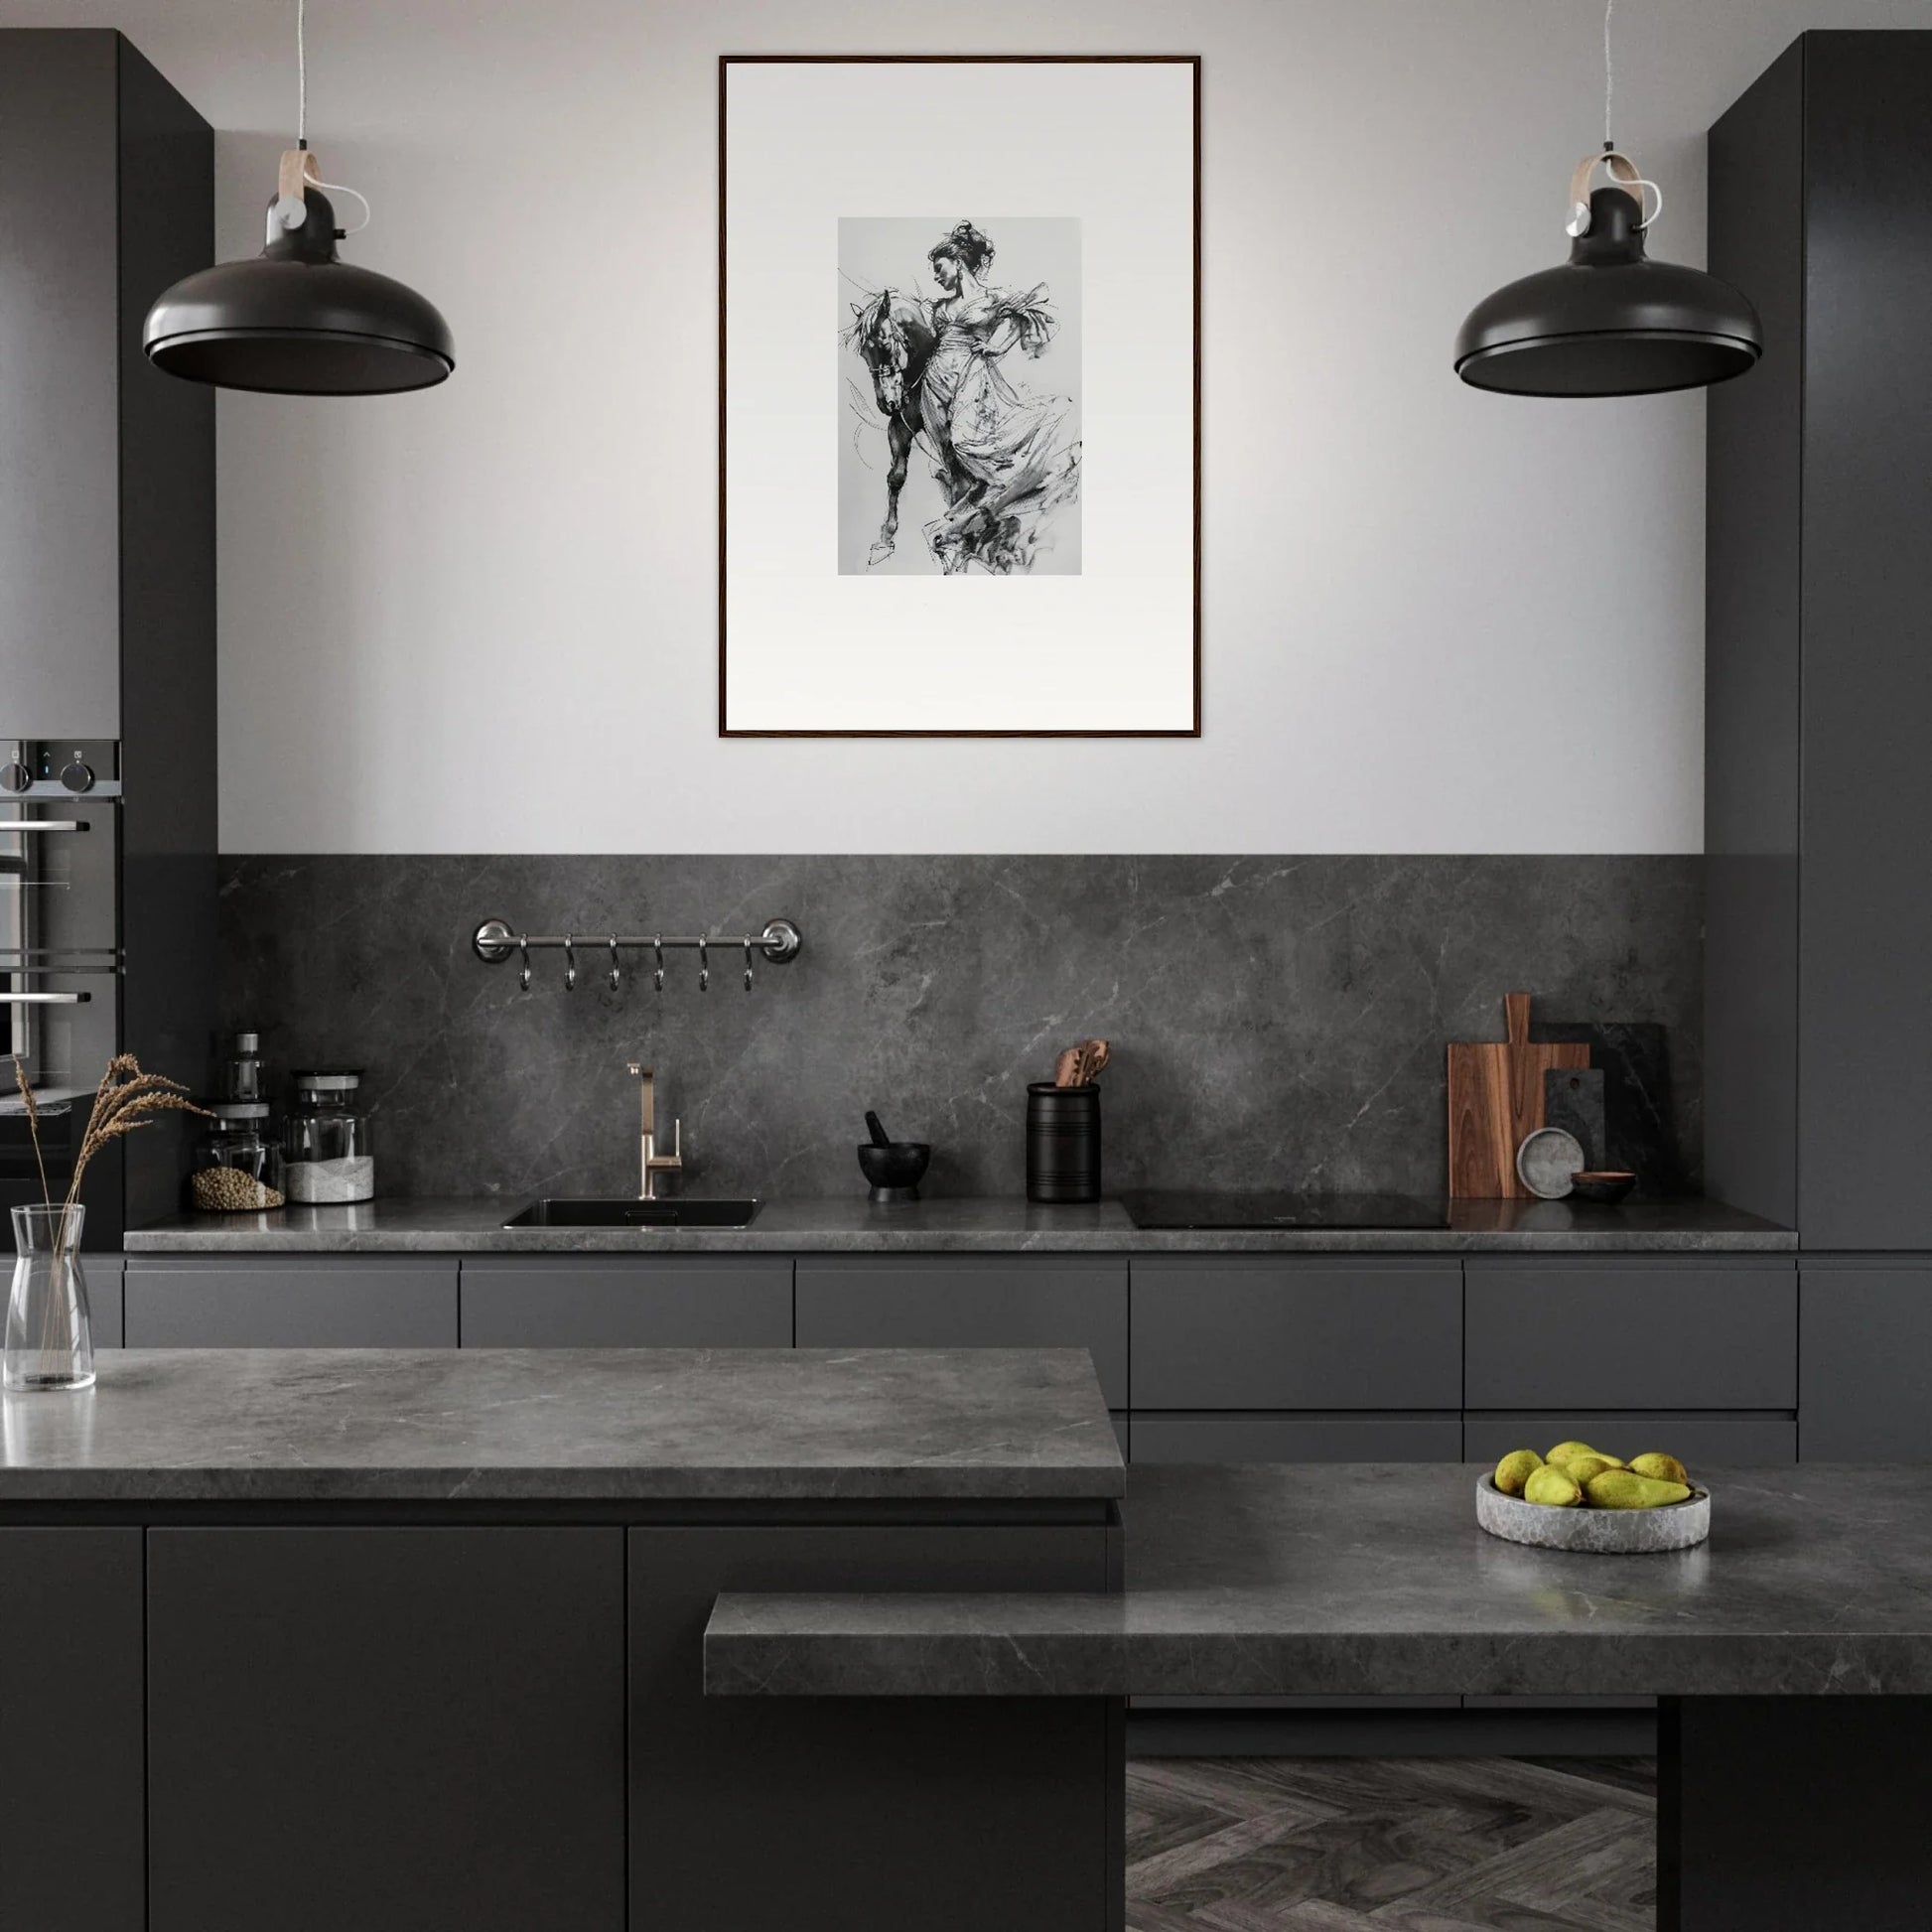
point(60, 957)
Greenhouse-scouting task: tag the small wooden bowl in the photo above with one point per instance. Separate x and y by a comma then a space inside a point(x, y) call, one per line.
point(1606, 1185)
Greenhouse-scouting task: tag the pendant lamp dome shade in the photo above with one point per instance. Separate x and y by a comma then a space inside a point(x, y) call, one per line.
point(1610, 322)
point(297, 320)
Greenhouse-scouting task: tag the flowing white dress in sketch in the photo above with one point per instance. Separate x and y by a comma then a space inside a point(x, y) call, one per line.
point(1006, 459)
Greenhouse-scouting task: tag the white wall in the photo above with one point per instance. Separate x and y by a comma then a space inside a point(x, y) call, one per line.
point(484, 618)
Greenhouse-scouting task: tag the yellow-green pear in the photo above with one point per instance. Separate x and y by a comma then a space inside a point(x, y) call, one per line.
point(1564, 1451)
point(1665, 1468)
point(1550, 1485)
point(1580, 1468)
point(1624, 1490)
point(1515, 1469)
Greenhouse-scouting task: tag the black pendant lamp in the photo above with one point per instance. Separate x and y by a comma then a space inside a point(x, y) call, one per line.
point(1610, 322)
point(297, 320)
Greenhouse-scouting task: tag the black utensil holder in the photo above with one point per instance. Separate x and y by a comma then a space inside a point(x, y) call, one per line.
point(1062, 1143)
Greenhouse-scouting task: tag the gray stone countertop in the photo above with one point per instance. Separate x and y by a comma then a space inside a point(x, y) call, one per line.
point(296, 1425)
point(1368, 1579)
point(963, 1225)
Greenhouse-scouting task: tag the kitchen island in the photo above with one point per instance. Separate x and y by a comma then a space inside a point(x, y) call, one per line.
point(405, 1639)
point(1793, 1651)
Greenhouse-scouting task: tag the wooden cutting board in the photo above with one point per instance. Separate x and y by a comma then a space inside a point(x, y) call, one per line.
point(1495, 1099)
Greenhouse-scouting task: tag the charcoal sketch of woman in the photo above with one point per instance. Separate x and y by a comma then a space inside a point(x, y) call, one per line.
point(1008, 458)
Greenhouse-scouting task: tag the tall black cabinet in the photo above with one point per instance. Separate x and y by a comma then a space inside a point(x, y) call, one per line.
point(107, 915)
point(1818, 814)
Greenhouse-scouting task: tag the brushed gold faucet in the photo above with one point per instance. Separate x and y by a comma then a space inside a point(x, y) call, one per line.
point(650, 1163)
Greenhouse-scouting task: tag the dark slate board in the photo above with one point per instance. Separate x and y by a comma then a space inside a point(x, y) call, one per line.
point(1573, 1099)
point(1634, 1056)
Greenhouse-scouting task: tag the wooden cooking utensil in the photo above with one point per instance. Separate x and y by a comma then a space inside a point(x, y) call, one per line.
point(1495, 1100)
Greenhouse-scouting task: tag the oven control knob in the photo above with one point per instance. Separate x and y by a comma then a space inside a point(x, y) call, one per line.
point(14, 776)
point(78, 776)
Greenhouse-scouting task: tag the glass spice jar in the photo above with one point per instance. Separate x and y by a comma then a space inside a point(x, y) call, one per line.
point(237, 1161)
point(331, 1152)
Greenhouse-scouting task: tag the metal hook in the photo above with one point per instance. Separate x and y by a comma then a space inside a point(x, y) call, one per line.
point(569, 962)
point(657, 946)
point(748, 965)
point(523, 946)
point(704, 967)
point(617, 971)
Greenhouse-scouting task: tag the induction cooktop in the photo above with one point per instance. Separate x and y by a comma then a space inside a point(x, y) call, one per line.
point(1158, 1208)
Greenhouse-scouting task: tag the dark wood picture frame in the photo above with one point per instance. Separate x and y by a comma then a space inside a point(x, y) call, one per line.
point(727, 60)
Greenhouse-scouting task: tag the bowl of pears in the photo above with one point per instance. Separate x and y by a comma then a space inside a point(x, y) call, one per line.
point(1582, 1498)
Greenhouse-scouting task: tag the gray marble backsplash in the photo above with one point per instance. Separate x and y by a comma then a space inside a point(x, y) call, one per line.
point(1276, 1022)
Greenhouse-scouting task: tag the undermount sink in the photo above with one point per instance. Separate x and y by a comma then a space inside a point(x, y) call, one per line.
point(618, 1213)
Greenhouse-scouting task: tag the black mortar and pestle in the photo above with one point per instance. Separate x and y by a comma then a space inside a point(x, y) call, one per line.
point(892, 1166)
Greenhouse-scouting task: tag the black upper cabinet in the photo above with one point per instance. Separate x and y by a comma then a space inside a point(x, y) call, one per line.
point(106, 467)
point(107, 525)
point(1819, 671)
point(60, 437)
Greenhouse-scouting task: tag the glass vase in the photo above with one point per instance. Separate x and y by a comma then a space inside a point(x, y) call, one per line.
point(50, 1337)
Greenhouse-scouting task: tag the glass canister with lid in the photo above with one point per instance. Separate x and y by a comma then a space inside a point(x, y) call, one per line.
point(237, 1161)
point(239, 1073)
point(329, 1152)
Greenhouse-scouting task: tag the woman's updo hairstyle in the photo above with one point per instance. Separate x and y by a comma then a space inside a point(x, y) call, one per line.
point(967, 246)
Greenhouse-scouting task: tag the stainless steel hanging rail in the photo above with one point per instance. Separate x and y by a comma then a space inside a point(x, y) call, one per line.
point(496, 940)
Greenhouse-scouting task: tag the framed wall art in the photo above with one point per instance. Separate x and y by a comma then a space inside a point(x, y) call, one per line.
point(959, 396)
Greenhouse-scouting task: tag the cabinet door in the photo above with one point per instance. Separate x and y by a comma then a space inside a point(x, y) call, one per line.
point(1297, 1439)
point(970, 1302)
point(385, 1728)
point(658, 1302)
point(1866, 1350)
point(1548, 1333)
point(898, 1813)
point(1705, 1441)
point(280, 1302)
point(1865, 783)
point(71, 1730)
point(1262, 1333)
point(103, 1273)
point(59, 427)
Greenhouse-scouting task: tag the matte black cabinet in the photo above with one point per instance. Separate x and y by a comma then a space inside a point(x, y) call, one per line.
point(72, 1765)
point(970, 1302)
point(974, 1812)
point(1548, 1332)
point(1705, 1439)
point(103, 1273)
point(1867, 1361)
point(1265, 1333)
point(1818, 677)
point(107, 605)
point(388, 1729)
point(282, 1302)
point(1297, 1438)
point(615, 1301)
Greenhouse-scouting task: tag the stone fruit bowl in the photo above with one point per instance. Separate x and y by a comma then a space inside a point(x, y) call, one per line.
point(1600, 1531)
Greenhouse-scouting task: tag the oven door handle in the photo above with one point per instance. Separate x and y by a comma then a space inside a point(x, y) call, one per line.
point(44, 825)
point(45, 999)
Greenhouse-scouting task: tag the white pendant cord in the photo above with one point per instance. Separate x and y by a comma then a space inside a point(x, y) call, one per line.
point(340, 188)
point(292, 217)
point(1609, 73)
point(1622, 170)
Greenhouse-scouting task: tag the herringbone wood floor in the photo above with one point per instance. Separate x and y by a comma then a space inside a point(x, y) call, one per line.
point(1391, 1845)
